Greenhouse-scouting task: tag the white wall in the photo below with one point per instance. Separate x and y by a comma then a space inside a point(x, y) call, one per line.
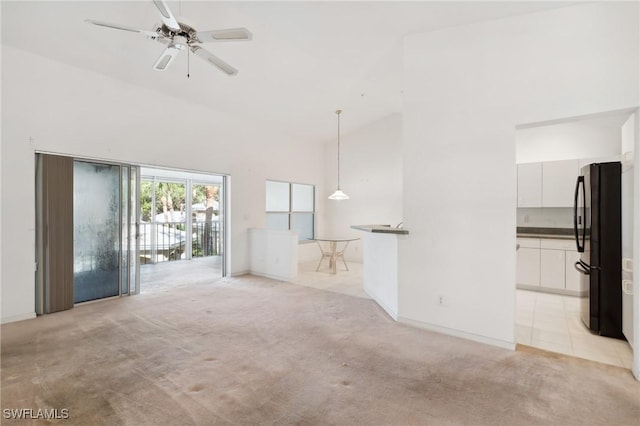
point(71, 111)
point(576, 139)
point(371, 174)
point(466, 89)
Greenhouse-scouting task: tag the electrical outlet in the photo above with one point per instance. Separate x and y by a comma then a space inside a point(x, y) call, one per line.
point(526, 218)
point(442, 301)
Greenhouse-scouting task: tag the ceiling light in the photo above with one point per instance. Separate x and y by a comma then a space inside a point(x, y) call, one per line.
point(338, 194)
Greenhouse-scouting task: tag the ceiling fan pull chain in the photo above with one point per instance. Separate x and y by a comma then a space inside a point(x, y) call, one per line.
point(188, 56)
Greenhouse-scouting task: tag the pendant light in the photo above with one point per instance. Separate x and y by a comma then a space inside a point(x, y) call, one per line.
point(338, 195)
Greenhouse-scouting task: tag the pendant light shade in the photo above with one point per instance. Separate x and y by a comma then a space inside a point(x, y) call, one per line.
point(338, 194)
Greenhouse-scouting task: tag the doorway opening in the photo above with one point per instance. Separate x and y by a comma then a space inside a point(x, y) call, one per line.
point(550, 291)
point(182, 238)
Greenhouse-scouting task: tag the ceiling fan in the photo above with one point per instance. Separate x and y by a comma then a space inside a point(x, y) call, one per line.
point(178, 36)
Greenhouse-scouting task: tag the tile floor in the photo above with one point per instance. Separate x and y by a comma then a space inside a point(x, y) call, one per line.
point(552, 322)
point(345, 282)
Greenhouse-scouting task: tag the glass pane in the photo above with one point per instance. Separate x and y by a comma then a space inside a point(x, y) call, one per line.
point(96, 230)
point(278, 221)
point(169, 222)
point(205, 214)
point(277, 196)
point(133, 240)
point(302, 223)
point(302, 197)
point(146, 213)
point(124, 270)
point(170, 202)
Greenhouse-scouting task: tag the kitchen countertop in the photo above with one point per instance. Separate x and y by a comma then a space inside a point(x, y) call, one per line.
point(380, 229)
point(557, 233)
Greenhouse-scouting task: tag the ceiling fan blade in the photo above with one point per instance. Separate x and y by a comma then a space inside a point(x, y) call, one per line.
point(166, 58)
point(165, 13)
point(231, 34)
point(148, 33)
point(214, 60)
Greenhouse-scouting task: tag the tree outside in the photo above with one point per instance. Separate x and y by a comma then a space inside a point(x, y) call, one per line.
point(171, 208)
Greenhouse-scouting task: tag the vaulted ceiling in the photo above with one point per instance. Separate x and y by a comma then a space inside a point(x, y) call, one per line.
point(306, 59)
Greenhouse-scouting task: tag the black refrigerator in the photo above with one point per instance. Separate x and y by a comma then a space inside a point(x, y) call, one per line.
point(597, 220)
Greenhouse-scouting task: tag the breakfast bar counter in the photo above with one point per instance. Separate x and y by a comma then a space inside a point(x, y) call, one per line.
point(380, 257)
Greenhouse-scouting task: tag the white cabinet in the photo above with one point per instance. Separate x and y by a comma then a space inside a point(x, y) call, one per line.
point(558, 182)
point(546, 264)
point(528, 266)
point(572, 276)
point(530, 185)
point(549, 184)
point(528, 261)
point(552, 268)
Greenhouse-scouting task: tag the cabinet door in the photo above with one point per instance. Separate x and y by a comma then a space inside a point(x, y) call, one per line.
point(530, 185)
point(572, 277)
point(528, 266)
point(559, 182)
point(552, 265)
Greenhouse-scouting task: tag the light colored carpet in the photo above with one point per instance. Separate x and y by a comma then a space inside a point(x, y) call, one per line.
point(250, 350)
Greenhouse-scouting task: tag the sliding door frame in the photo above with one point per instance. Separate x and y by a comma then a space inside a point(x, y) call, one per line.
point(43, 283)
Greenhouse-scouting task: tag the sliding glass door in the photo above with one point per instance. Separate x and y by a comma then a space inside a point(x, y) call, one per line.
point(98, 224)
point(96, 231)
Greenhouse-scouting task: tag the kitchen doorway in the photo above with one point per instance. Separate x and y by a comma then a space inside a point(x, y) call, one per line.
point(549, 291)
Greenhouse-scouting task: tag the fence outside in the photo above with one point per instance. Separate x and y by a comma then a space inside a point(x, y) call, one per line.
point(166, 241)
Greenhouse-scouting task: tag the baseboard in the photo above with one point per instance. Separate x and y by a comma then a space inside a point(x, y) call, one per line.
point(560, 291)
point(387, 309)
point(16, 318)
point(458, 333)
point(239, 273)
point(273, 277)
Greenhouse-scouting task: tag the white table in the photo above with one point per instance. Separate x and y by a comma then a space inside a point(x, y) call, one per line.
point(333, 254)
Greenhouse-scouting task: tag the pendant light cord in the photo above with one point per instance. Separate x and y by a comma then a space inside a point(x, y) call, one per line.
point(338, 113)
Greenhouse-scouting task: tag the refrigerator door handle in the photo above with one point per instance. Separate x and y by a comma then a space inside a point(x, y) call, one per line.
point(580, 267)
point(579, 220)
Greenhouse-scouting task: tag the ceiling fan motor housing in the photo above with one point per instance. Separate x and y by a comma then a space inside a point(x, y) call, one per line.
point(186, 34)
